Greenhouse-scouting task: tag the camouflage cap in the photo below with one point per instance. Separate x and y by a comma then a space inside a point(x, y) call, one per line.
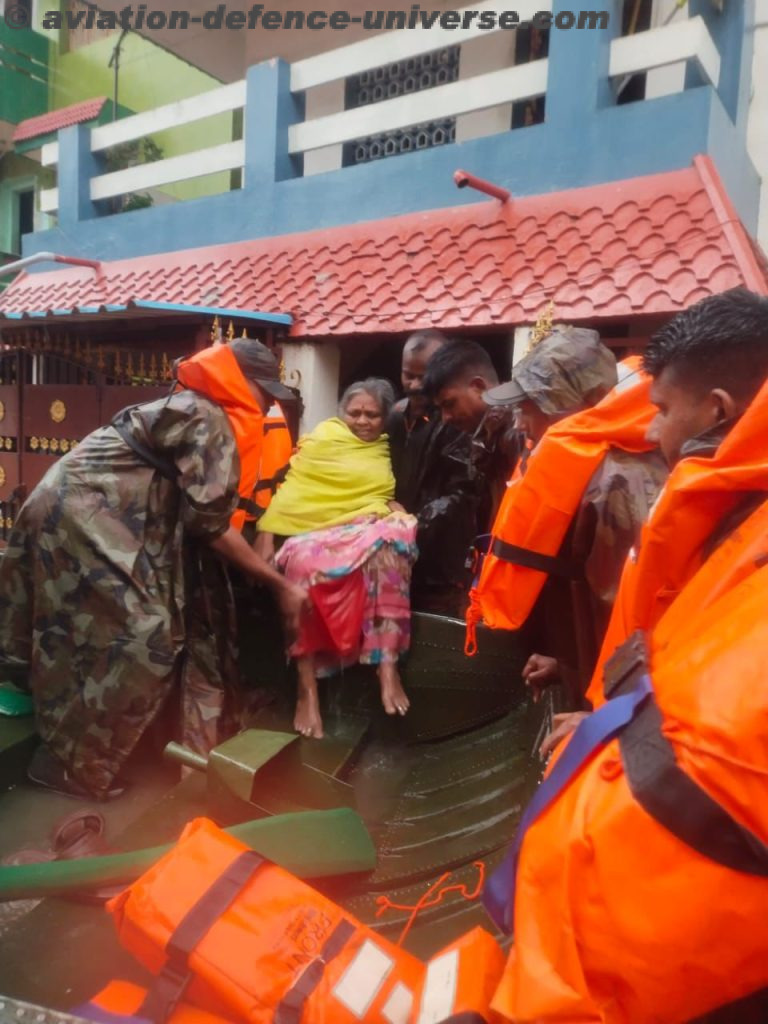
point(569, 370)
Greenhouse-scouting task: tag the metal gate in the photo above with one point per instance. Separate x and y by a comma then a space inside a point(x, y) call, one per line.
point(52, 395)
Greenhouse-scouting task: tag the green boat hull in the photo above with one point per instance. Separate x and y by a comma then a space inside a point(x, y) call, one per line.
point(440, 790)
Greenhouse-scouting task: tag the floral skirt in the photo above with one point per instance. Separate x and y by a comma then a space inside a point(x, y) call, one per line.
point(382, 552)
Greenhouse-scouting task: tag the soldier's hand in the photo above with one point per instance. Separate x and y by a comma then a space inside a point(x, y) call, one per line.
point(562, 726)
point(539, 671)
point(264, 545)
point(293, 600)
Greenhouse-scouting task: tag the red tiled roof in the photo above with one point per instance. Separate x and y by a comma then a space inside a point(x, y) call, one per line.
point(647, 245)
point(44, 124)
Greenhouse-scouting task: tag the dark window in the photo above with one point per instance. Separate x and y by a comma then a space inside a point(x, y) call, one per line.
point(399, 79)
point(25, 217)
point(530, 44)
point(636, 17)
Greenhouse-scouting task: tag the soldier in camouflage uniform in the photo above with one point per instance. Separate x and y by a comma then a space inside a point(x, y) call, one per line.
point(108, 573)
point(566, 372)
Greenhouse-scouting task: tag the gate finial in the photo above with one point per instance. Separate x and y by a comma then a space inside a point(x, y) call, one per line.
point(543, 326)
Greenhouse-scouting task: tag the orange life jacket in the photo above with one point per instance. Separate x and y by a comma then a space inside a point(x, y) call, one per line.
point(275, 456)
point(126, 1000)
point(698, 494)
point(460, 981)
point(538, 508)
point(215, 373)
point(619, 918)
point(244, 938)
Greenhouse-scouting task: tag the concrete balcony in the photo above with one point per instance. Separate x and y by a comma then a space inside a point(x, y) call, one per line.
point(694, 104)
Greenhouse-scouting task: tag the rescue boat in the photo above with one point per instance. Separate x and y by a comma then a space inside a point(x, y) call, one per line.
point(440, 792)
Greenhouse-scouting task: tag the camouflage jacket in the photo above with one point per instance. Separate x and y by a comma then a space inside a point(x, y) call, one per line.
point(92, 584)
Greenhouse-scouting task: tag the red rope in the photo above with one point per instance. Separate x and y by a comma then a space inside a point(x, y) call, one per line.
point(439, 889)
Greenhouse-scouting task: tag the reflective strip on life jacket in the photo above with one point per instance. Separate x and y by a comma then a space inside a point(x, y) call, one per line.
point(460, 980)
point(538, 508)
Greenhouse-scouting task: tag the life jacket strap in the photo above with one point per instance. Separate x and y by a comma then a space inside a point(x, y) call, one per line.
point(292, 1004)
point(659, 785)
point(90, 1011)
point(679, 804)
point(552, 565)
point(251, 509)
point(592, 733)
point(465, 1017)
point(169, 986)
point(272, 482)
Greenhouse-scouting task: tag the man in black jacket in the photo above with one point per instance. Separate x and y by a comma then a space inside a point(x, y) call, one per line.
point(430, 460)
point(457, 379)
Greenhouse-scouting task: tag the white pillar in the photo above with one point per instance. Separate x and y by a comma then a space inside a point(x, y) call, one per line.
point(314, 369)
point(487, 53)
point(757, 129)
point(669, 79)
point(520, 343)
point(319, 101)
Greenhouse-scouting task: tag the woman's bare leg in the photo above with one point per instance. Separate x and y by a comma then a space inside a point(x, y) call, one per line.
point(307, 719)
point(393, 696)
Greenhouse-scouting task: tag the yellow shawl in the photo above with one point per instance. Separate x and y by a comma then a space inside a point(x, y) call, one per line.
point(334, 477)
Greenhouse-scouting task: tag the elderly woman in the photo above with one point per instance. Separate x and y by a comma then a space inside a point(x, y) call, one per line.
point(351, 545)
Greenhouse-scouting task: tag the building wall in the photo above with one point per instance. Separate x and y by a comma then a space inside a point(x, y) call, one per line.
point(585, 139)
point(757, 136)
point(23, 75)
point(17, 173)
point(149, 77)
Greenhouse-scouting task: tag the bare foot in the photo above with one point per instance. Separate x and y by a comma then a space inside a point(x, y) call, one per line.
point(307, 718)
point(393, 696)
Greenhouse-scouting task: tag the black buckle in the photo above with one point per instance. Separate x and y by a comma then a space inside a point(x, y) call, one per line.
point(625, 663)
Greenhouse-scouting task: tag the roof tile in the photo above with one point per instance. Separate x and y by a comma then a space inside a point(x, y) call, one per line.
point(648, 245)
point(45, 124)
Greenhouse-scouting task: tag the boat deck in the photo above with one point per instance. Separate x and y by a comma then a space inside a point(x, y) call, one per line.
point(440, 790)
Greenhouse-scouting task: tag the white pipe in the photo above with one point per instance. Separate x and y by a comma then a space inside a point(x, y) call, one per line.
point(47, 257)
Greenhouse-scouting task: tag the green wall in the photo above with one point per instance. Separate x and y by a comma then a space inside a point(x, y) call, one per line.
point(23, 73)
point(149, 77)
point(17, 173)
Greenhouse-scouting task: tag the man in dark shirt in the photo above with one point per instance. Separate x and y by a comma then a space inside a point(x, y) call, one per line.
point(457, 378)
point(430, 460)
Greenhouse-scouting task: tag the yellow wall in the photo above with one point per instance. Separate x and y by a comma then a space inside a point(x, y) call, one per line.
point(149, 77)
